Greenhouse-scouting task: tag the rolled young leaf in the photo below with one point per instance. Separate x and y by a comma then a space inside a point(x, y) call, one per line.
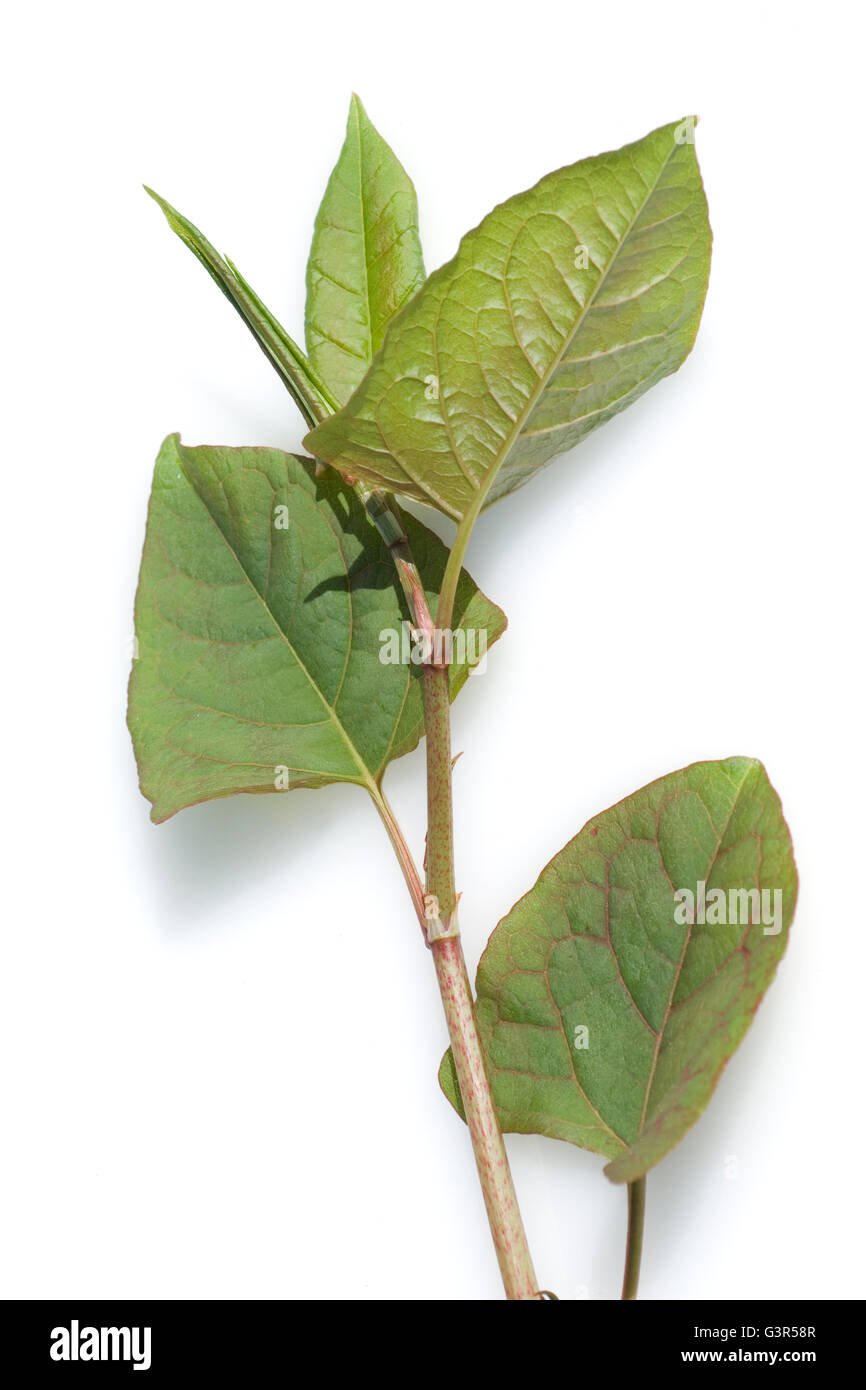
point(559, 310)
point(613, 994)
point(293, 368)
point(365, 261)
point(263, 599)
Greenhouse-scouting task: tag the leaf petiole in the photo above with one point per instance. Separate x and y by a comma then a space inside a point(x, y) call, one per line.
point(402, 851)
point(634, 1239)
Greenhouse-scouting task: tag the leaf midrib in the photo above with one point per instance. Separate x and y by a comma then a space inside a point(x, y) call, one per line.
point(466, 520)
point(472, 512)
point(367, 779)
point(669, 1007)
point(362, 205)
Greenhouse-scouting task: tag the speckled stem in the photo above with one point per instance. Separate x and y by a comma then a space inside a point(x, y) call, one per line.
point(497, 1186)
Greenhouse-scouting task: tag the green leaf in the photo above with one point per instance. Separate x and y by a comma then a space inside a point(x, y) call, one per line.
point(295, 371)
point(596, 945)
point(259, 647)
point(513, 351)
point(365, 261)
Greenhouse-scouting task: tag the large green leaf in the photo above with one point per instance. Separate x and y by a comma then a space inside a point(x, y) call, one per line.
point(365, 260)
point(259, 642)
point(596, 945)
point(515, 350)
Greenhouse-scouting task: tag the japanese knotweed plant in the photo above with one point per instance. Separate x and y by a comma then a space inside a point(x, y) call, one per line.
point(612, 995)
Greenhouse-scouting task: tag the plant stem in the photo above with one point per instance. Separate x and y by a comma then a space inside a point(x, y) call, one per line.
point(315, 403)
point(497, 1186)
point(634, 1239)
point(503, 1213)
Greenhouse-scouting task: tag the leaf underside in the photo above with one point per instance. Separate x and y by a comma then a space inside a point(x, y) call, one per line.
point(365, 261)
point(595, 945)
point(259, 647)
point(515, 350)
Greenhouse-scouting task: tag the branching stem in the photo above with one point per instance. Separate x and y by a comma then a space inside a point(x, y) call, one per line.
point(316, 403)
point(497, 1186)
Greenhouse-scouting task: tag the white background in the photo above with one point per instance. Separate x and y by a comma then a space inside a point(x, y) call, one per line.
point(220, 1036)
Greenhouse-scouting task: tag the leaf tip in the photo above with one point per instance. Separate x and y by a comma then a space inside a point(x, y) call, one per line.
point(172, 216)
point(357, 116)
point(151, 193)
